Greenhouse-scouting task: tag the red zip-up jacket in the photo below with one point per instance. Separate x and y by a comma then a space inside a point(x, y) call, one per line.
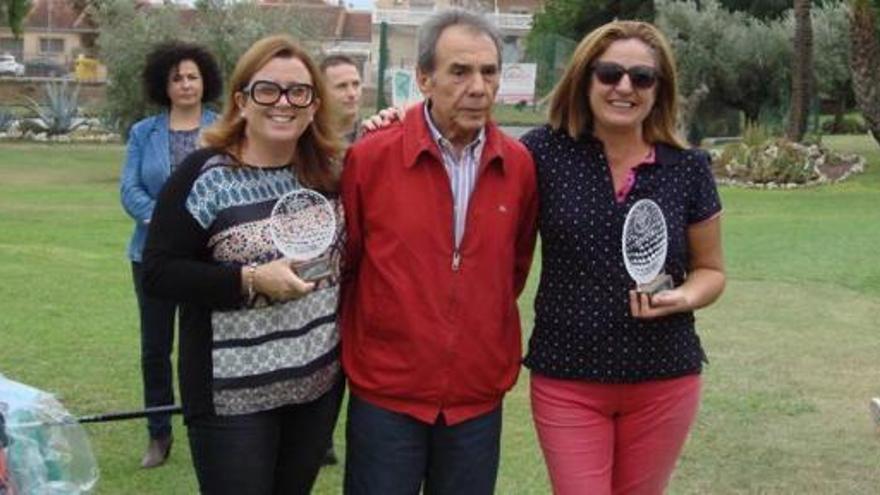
point(425, 329)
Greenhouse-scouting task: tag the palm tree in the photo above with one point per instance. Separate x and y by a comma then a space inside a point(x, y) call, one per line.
point(801, 74)
point(865, 63)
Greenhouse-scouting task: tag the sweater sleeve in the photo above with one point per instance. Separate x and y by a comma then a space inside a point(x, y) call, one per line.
point(177, 260)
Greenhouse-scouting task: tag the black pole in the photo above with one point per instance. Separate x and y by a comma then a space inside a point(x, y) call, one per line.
point(101, 418)
point(119, 416)
point(381, 103)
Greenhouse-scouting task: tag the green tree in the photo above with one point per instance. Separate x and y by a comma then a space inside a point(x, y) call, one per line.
point(865, 63)
point(744, 61)
point(762, 9)
point(125, 36)
point(753, 68)
point(561, 25)
point(13, 13)
point(802, 71)
point(575, 18)
point(831, 47)
point(128, 32)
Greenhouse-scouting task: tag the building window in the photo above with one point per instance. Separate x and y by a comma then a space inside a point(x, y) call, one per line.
point(52, 45)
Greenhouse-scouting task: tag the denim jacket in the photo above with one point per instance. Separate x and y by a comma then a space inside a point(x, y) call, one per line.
point(147, 167)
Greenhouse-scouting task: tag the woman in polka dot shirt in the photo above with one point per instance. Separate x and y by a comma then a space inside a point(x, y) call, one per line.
point(615, 381)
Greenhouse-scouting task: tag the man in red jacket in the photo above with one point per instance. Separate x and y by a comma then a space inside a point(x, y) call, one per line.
point(441, 220)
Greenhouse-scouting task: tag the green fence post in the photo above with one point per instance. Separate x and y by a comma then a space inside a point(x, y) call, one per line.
point(383, 65)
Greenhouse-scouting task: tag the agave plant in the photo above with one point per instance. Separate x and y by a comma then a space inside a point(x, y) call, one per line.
point(6, 119)
point(60, 113)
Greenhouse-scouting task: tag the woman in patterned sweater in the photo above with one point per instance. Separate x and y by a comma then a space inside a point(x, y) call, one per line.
point(259, 370)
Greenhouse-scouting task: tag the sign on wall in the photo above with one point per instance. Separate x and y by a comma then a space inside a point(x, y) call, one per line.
point(517, 83)
point(404, 89)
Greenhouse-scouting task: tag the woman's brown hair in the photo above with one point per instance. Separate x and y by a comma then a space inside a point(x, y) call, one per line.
point(319, 148)
point(570, 103)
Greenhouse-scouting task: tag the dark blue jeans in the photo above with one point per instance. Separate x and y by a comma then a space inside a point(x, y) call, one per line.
point(157, 341)
point(392, 453)
point(271, 452)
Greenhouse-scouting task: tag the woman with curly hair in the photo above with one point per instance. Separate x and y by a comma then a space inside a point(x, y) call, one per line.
point(180, 78)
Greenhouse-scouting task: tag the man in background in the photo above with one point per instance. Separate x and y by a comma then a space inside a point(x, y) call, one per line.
point(344, 82)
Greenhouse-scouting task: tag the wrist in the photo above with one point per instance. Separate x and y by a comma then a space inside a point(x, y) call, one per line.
point(250, 277)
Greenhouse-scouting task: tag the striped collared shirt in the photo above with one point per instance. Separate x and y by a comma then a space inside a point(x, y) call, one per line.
point(463, 171)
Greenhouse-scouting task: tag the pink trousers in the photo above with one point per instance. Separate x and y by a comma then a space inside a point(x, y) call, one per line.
point(601, 439)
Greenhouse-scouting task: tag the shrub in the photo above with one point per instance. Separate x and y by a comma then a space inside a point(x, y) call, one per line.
point(847, 125)
point(6, 119)
point(755, 135)
point(779, 161)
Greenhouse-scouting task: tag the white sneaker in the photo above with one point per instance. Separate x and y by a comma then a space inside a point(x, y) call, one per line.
point(874, 406)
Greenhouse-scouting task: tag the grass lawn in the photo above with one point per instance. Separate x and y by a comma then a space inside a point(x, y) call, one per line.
point(793, 344)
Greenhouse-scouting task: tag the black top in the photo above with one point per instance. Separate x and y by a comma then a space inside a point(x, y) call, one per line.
point(583, 327)
point(181, 144)
point(237, 355)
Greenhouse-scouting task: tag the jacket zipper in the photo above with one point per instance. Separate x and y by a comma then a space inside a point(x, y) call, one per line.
point(456, 259)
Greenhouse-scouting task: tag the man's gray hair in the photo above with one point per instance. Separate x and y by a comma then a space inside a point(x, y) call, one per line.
point(430, 32)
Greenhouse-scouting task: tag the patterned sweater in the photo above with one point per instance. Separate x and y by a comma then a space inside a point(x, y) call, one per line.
point(237, 356)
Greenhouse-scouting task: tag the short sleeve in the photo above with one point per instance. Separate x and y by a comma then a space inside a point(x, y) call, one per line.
point(704, 201)
point(533, 139)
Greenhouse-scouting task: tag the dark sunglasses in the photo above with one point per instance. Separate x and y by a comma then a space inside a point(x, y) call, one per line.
point(268, 93)
point(640, 76)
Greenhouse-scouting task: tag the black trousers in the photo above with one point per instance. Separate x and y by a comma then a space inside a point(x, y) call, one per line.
point(271, 452)
point(157, 342)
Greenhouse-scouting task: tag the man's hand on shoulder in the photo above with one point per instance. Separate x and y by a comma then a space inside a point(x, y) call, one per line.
point(381, 120)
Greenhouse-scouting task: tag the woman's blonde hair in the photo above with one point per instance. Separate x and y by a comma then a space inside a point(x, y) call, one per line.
point(570, 101)
point(318, 149)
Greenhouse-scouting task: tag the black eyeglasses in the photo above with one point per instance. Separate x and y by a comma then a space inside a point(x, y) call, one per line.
point(640, 76)
point(268, 93)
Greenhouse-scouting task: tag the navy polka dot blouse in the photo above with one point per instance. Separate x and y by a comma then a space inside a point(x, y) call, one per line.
point(583, 327)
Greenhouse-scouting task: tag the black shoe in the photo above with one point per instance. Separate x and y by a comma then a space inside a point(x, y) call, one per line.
point(330, 458)
point(874, 407)
point(157, 452)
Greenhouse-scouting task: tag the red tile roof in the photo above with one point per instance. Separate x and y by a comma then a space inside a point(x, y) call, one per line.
point(60, 15)
point(358, 26)
point(324, 20)
point(329, 21)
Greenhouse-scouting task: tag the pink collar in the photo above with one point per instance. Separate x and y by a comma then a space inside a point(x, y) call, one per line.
point(650, 159)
